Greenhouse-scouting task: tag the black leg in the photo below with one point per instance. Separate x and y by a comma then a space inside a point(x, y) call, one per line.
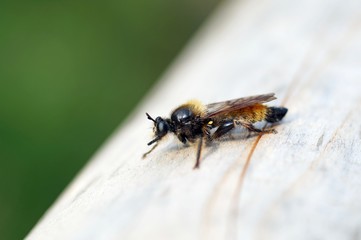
point(182, 138)
point(223, 129)
point(154, 146)
point(199, 151)
point(252, 128)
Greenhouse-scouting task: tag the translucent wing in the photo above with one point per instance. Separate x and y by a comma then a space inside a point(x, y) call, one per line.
point(218, 108)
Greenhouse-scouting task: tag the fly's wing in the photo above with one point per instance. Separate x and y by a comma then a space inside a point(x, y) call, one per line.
point(218, 108)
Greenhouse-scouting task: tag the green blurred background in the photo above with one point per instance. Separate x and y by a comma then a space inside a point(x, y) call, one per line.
point(70, 71)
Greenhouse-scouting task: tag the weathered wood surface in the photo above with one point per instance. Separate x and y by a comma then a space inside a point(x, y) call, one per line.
point(302, 183)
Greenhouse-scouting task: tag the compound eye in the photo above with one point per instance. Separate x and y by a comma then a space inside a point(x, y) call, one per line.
point(162, 128)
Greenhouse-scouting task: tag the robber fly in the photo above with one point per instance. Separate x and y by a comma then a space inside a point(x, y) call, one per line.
point(194, 121)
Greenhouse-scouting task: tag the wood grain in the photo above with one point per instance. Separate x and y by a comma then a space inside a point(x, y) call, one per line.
point(302, 183)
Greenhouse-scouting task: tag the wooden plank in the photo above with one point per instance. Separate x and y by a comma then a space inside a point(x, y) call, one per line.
point(302, 183)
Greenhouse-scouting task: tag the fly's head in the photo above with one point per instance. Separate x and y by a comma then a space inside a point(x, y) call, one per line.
point(161, 128)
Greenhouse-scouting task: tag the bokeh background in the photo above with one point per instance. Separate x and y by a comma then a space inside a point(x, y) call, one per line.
point(70, 71)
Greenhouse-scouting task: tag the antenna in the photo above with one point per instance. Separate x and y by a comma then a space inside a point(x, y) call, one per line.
point(149, 117)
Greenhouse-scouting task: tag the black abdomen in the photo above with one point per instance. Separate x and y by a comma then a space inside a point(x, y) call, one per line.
point(275, 114)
